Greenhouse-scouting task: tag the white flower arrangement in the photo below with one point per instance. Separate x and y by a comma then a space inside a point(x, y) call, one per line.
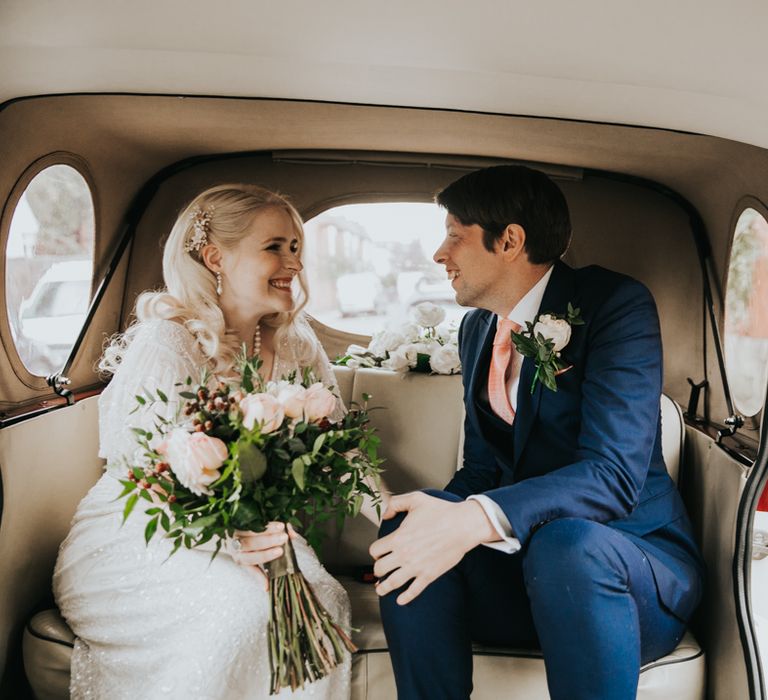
point(419, 346)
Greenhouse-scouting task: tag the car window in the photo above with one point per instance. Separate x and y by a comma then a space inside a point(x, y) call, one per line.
point(49, 267)
point(368, 265)
point(746, 313)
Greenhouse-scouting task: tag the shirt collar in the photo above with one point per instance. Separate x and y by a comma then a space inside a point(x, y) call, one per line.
point(526, 309)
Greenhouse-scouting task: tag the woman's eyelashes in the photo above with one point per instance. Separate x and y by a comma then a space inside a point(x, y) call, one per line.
point(293, 247)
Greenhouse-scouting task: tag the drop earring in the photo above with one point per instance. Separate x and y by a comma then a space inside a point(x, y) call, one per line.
point(218, 283)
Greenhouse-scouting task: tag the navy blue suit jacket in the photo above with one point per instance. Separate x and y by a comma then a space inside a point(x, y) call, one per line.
point(592, 449)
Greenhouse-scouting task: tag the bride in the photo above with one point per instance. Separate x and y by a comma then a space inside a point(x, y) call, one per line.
point(149, 626)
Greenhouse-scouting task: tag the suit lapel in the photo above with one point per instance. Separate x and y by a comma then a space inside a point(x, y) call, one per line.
point(484, 349)
point(559, 291)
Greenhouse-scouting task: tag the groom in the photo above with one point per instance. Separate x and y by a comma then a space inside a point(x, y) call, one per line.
point(562, 530)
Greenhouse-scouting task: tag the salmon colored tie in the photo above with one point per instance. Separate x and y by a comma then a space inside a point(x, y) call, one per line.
point(497, 375)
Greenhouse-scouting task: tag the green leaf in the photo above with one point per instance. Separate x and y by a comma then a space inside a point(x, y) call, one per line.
point(295, 445)
point(300, 428)
point(150, 529)
point(162, 396)
point(128, 486)
point(422, 363)
point(319, 442)
point(297, 470)
point(197, 525)
point(141, 400)
point(252, 461)
point(129, 504)
point(187, 395)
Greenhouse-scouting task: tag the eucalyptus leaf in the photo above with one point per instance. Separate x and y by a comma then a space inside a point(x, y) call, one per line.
point(252, 461)
point(297, 470)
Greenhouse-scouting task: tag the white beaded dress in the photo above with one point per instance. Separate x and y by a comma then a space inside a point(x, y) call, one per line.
point(149, 626)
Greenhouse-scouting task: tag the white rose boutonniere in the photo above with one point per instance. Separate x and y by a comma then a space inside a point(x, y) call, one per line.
point(543, 340)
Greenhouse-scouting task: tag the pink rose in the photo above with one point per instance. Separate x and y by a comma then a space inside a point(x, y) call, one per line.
point(292, 398)
point(319, 403)
point(195, 459)
point(264, 410)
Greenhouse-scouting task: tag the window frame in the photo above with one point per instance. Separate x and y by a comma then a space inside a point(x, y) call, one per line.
point(79, 164)
point(751, 423)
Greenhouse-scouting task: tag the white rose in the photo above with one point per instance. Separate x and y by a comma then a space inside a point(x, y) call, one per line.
point(356, 350)
point(263, 410)
point(557, 330)
point(319, 402)
point(446, 360)
point(428, 314)
point(292, 398)
point(410, 331)
point(195, 459)
point(398, 361)
point(427, 347)
point(448, 335)
point(385, 341)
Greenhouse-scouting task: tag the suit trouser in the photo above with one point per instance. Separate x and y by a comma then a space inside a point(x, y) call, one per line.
point(579, 590)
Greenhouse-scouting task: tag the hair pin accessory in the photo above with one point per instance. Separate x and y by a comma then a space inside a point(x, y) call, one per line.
point(201, 227)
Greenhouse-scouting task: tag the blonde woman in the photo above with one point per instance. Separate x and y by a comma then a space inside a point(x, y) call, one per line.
point(149, 626)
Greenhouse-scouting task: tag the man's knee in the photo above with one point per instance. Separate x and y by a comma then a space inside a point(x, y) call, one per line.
point(574, 548)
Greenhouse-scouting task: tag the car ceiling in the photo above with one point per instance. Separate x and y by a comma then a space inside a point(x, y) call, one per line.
point(685, 65)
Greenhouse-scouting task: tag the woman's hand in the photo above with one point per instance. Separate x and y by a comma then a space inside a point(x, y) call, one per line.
point(257, 548)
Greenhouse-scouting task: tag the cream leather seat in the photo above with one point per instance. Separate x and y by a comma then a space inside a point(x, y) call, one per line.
point(420, 428)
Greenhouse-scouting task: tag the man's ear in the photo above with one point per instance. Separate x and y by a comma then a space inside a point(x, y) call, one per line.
point(513, 241)
point(211, 256)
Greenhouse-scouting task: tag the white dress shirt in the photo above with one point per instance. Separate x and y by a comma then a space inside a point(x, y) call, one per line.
point(524, 312)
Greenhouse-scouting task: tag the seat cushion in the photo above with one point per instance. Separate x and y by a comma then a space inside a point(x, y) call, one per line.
point(499, 672)
point(507, 672)
point(48, 644)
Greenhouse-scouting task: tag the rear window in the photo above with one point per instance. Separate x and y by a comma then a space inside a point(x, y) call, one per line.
point(746, 313)
point(49, 267)
point(368, 265)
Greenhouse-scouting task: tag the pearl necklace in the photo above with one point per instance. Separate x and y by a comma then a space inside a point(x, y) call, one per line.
point(256, 341)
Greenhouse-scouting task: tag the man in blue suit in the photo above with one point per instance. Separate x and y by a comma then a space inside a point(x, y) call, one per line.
point(563, 529)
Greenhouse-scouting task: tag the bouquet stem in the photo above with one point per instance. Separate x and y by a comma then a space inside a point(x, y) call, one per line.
point(305, 644)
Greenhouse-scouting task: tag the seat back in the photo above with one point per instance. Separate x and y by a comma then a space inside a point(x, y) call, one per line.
point(47, 464)
point(422, 435)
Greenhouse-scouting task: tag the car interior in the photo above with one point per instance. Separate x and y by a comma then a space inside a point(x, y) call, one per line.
point(663, 205)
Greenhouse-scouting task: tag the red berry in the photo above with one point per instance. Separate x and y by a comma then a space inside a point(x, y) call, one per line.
point(171, 499)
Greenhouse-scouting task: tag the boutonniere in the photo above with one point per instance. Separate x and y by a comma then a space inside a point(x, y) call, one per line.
point(543, 340)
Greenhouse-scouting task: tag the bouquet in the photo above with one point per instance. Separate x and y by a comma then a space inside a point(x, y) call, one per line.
point(241, 454)
point(412, 347)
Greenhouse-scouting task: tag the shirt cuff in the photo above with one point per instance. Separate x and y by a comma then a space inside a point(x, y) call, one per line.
point(500, 522)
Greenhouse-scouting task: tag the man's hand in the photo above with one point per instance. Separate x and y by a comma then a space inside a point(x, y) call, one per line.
point(432, 539)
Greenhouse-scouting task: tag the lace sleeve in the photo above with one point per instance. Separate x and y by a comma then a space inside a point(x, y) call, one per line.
point(161, 354)
point(324, 372)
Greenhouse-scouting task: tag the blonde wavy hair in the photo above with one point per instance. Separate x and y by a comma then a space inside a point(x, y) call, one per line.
point(190, 298)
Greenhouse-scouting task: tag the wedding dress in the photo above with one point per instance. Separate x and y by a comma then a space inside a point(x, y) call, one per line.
point(149, 626)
